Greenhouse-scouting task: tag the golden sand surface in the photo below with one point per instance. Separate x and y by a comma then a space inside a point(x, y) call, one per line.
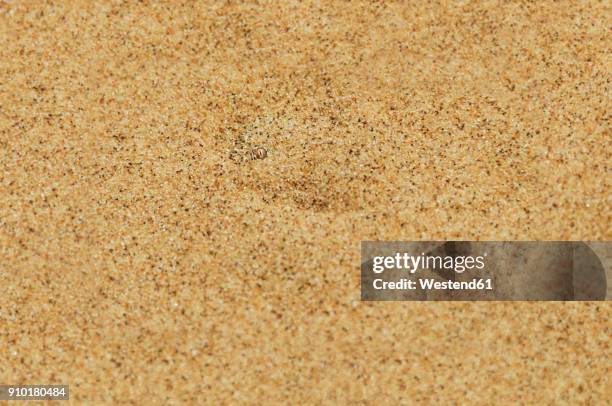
point(184, 187)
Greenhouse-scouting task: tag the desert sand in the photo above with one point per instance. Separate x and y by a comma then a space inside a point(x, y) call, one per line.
point(184, 187)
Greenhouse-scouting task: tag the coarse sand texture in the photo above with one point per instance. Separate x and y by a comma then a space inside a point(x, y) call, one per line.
point(184, 187)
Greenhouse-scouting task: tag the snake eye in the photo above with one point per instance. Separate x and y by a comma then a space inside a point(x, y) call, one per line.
point(260, 153)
